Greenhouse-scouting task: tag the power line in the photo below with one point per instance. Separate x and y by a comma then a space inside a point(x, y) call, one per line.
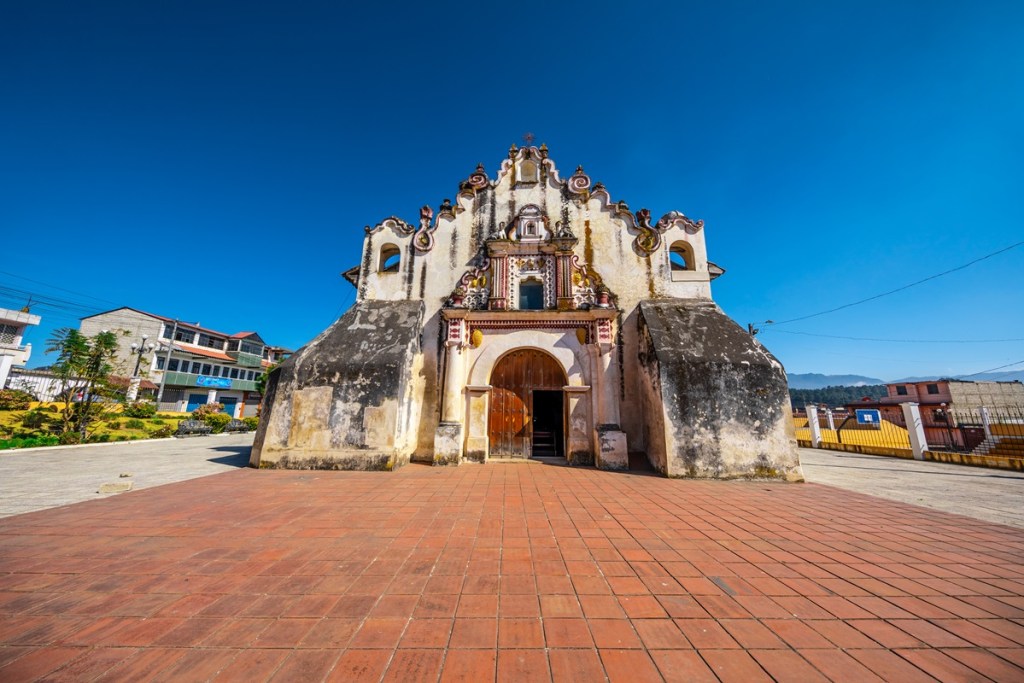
point(900, 289)
point(982, 372)
point(902, 341)
point(46, 284)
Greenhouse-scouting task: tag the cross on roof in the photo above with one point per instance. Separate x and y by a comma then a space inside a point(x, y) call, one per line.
point(528, 138)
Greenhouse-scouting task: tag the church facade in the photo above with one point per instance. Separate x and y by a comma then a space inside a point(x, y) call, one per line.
point(534, 316)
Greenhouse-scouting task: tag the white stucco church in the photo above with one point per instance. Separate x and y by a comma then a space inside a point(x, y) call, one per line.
point(533, 316)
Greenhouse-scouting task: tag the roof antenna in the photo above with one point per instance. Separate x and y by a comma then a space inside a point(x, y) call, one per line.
point(28, 305)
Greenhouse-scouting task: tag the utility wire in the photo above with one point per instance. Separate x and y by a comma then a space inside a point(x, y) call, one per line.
point(69, 291)
point(982, 372)
point(900, 289)
point(902, 341)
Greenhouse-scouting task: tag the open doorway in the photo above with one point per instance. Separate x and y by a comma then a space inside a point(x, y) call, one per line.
point(548, 424)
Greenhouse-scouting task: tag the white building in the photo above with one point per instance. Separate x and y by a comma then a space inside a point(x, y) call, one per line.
point(12, 332)
point(201, 365)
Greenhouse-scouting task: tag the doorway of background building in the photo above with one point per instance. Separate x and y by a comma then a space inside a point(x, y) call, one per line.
point(548, 421)
point(516, 380)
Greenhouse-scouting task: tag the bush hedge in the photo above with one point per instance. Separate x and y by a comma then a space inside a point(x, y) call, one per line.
point(15, 399)
point(217, 420)
point(31, 442)
point(139, 409)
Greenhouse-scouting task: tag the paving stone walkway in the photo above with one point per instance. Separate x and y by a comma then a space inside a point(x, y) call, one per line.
point(41, 478)
point(988, 494)
point(506, 572)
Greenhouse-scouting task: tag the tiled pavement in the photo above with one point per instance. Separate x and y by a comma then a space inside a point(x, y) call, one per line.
point(508, 572)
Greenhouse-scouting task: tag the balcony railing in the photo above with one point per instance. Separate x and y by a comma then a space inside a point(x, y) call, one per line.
point(189, 380)
point(249, 360)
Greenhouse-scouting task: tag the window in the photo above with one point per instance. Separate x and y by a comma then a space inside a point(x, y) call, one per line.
point(196, 367)
point(390, 259)
point(939, 415)
point(233, 345)
point(216, 371)
point(210, 342)
point(901, 390)
point(933, 388)
point(8, 333)
point(234, 373)
point(206, 369)
point(251, 376)
point(531, 295)
point(173, 365)
point(159, 363)
point(680, 257)
point(253, 348)
point(186, 336)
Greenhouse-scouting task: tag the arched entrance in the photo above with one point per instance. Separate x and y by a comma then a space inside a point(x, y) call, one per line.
point(527, 414)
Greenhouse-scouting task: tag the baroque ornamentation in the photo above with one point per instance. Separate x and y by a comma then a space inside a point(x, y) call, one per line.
point(579, 183)
point(540, 267)
point(676, 219)
point(477, 181)
point(649, 239)
point(585, 283)
point(473, 289)
point(391, 223)
point(424, 239)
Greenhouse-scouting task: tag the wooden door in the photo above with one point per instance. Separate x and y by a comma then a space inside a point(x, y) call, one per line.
point(515, 376)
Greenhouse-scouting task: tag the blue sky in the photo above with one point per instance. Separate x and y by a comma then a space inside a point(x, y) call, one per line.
point(217, 161)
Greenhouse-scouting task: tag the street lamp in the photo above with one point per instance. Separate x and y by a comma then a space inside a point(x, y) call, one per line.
point(138, 350)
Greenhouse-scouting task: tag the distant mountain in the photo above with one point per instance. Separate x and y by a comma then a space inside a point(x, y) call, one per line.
point(814, 380)
point(983, 377)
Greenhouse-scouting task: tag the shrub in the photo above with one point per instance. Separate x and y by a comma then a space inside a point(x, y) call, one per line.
point(98, 438)
point(69, 438)
point(217, 420)
point(112, 418)
point(208, 409)
point(34, 419)
point(32, 442)
point(15, 399)
point(139, 409)
point(53, 408)
point(164, 432)
point(156, 421)
point(251, 422)
point(114, 425)
point(134, 424)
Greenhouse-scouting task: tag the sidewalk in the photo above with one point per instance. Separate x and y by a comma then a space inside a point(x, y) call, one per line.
point(40, 478)
point(506, 572)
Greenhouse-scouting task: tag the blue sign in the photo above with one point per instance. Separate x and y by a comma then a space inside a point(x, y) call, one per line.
point(213, 382)
point(869, 416)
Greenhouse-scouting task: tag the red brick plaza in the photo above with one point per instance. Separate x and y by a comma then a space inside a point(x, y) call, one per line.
point(515, 572)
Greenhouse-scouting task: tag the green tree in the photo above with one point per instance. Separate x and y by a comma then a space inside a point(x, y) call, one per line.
point(83, 364)
point(261, 381)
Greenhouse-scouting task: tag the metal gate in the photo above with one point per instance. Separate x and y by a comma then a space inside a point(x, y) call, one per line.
point(515, 377)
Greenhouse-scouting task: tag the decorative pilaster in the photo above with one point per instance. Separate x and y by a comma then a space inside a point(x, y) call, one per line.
point(564, 241)
point(563, 280)
point(499, 283)
point(477, 443)
point(448, 437)
point(579, 448)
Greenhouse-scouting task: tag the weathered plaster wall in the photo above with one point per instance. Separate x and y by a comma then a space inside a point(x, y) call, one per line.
point(724, 396)
point(348, 399)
